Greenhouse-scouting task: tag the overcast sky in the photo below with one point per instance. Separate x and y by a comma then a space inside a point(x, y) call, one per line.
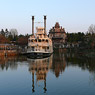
point(73, 15)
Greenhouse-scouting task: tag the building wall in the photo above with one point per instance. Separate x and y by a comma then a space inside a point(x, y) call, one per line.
point(8, 50)
point(57, 34)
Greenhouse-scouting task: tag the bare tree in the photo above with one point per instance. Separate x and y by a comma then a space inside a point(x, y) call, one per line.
point(91, 29)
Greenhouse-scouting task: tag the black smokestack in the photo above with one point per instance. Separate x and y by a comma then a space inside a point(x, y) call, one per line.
point(45, 24)
point(33, 25)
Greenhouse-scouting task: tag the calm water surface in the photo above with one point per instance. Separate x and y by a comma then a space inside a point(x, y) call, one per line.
point(60, 74)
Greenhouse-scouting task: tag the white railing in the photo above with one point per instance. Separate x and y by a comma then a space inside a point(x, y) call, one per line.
point(38, 50)
point(38, 44)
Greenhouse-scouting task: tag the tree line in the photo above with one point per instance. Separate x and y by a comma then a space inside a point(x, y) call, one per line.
point(7, 38)
point(85, 40)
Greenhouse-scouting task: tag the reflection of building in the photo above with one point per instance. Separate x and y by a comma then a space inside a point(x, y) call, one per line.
point(59, 62)
point(58, 35)
point(40, 67)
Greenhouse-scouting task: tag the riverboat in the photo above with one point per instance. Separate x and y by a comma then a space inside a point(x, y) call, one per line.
point(39, 44)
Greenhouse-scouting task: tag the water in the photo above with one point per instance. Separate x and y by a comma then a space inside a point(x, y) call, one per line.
point(60, 74)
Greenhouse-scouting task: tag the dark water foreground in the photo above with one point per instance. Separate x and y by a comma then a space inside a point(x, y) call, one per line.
point(60, 74)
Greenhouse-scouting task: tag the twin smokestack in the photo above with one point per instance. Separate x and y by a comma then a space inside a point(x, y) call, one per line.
point(33, 24)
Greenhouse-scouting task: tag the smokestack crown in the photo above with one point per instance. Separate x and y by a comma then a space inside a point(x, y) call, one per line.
point(32, 17)
point(44, 17)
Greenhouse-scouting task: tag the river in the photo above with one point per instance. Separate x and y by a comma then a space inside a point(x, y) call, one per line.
point(63, 73)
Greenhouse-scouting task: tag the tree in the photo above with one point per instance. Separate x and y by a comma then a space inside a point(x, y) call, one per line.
point(3, 40)
point(91, 36)
point(10, 37)
point(2, 32)
point(7, 33)
point(23, 41)
point(91, 29)
point(15, 38)
point(75, 37)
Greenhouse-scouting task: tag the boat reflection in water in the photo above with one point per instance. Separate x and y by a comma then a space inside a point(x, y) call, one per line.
point(40, 68)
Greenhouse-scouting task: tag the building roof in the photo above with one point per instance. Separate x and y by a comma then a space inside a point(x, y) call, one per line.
point(57, 25)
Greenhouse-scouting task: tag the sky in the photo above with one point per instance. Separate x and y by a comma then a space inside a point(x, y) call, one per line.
point(73, 15)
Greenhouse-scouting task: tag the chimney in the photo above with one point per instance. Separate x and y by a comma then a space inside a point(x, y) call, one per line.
point(45, 24)
point(33, 25)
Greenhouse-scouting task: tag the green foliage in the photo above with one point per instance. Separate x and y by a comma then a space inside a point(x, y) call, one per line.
point(2, 32)
point(75, 37)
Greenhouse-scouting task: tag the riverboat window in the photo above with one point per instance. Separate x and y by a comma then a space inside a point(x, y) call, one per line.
point(46, 40)
point(43, 40)
point(31, 40)
point(35, 40)
point(39, 40)
point(47, 47)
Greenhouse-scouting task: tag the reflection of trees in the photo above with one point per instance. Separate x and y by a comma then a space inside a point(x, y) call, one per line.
point(10, 62)
point(59, 63)
point(80, 61)
point(83, 62)
point(40, 67)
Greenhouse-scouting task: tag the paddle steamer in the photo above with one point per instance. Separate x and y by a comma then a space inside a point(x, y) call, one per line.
point(39, 44)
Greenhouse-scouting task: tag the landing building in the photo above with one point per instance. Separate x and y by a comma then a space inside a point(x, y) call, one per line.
point(58, 36)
